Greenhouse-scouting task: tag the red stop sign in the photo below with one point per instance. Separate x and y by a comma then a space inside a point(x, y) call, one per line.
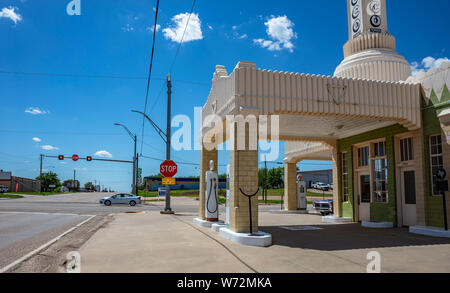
point(75, 158)
point(168, 169)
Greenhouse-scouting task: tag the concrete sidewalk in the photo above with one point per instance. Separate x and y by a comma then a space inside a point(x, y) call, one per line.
point(153, 243)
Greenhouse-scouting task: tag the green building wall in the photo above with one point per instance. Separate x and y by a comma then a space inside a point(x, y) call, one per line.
point(431, 126)
point(379, 212)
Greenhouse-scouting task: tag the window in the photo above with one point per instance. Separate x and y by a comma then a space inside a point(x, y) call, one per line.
point(406, 149)
point(344, 177)
point(380, 192)
point(436, 158)
point(363, 156)
point(379, 149)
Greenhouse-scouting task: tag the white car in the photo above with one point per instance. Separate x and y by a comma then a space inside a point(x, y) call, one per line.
point(322, 186)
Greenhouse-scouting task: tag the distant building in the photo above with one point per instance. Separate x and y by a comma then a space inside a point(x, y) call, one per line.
point(153, 183)
point(19, 184)
point(310, 177)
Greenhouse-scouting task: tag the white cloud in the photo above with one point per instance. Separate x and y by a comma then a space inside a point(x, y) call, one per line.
point(36, 111)
point(49, 148)
point(150, 28)
point(128, 28)
point(11, 14)
point(179, 21)
point(37, 139)
point(103, 154)
point(281, 34)
point(426, 64)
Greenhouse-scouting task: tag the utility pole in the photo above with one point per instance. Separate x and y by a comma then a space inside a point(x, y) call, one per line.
point(265, 178)
point(40, 171)
point(134, 167)
point(137, 174)
point(166, 136)
point(168, 210)
point(74, 174)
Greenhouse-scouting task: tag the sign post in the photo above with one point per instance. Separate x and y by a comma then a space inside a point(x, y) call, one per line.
point(168, 169)
point(442, 186)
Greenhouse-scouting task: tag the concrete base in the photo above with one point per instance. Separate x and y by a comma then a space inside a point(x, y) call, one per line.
point(206, 224)
point(284, 212)
point(262, 240)
point(167, 213)
point(429, 231)
point(377, 225)
point(217, 227)
point(333, 219)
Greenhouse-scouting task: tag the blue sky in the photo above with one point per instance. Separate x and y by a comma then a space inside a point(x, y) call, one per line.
point(113, 38)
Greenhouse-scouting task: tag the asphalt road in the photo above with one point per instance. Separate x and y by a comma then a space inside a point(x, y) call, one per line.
point(28, 223)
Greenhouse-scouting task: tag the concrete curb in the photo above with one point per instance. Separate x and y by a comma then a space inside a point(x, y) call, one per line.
point(296, 212)
point(377, 225)
point(333, 219)
point(429, 231)
point(205, 224)
point(262, 240)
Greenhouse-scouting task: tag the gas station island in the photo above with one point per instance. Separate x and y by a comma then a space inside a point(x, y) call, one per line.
point(385, 131)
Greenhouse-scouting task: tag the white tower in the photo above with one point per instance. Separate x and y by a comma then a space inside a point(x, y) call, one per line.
point(370, 52)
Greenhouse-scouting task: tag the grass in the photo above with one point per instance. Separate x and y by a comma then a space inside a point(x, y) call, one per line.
point(37, 193)
point(2, 195)
point(280, 192)
point(174, 193)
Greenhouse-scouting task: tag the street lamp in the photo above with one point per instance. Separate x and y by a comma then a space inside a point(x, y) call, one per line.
point(135, 158)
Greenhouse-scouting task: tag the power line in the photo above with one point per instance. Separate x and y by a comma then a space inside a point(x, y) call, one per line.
point(94, 76)
point(150, 72)
point(178, 162)
point(170, 69)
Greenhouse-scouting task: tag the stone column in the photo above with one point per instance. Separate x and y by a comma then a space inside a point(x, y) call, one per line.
point(290, 187)
point(205, 157)
point(244, 175)
point(337, 202)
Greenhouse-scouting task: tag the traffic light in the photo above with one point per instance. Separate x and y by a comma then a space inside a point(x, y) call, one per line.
point(89, 159)
point(61, 157)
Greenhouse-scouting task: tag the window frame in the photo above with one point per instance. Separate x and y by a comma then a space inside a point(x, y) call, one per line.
point(407, 156)
point(345, 186)
point(359, 152)
point(377, 156)
point(431, 156)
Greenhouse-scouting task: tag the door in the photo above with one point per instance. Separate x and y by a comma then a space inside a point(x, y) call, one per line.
point(409, 197)
point(364, 197)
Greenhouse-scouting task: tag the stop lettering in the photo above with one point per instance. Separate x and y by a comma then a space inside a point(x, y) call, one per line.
point(168, 169)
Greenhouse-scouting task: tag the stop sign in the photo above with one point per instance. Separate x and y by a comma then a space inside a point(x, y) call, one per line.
point(75, 158)
point(168, 169)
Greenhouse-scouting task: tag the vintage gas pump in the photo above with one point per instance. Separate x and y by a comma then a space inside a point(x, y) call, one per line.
point(301, 194)
point(227, 205)
point(211, 198)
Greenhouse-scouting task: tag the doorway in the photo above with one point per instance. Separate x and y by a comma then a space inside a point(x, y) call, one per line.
point(364, 197)
point(408, 197)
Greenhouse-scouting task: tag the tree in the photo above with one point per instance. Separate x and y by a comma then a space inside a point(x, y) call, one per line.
point(48, 179)
point(275, 177)
point(69, 184)
point(89, 186)
point(157, 176)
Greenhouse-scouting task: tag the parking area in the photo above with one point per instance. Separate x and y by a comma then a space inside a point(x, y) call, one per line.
point(152, 242)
